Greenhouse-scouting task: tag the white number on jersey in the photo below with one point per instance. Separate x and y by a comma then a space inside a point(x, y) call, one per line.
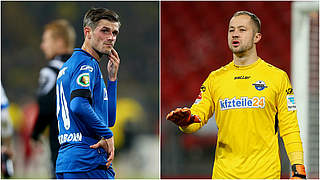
point(64, 108)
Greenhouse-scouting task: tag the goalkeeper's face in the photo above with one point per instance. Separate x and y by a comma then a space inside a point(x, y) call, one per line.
point(242, 34)
point(104, 36)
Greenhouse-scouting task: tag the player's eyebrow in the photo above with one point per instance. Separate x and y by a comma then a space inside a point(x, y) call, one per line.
point(241, 26)
point(116, 31)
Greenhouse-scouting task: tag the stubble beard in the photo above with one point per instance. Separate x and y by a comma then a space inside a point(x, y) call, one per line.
point(100, 52)
point(242, 49)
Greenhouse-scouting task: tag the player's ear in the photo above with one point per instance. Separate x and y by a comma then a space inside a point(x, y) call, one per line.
point(87, 32)
point(257, 37)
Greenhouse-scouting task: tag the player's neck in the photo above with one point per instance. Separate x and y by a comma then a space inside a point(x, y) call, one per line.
point(245, 59)
point(91, 51)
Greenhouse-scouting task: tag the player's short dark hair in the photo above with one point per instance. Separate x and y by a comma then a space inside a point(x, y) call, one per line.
point(93, 15)
point(253, 17)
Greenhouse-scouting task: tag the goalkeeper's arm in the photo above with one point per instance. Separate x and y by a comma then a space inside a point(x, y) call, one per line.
point(294, 150)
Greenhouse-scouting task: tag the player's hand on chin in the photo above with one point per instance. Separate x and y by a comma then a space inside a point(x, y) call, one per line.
point(113, 65)
point(108, 146)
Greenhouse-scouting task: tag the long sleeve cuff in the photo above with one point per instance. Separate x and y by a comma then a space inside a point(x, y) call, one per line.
point(294, 147)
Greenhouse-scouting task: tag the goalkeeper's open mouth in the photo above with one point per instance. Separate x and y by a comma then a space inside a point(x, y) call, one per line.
point(235, 43)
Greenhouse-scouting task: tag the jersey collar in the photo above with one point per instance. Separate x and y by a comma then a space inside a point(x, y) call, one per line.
point(246, 67)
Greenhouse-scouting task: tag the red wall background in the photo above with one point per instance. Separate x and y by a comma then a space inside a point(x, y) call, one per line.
point(194, 43)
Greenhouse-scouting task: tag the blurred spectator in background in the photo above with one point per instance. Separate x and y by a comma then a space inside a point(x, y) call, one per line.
point(6, 137)
point(57, 44)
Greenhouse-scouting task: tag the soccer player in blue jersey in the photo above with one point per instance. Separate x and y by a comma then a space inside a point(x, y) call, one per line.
point(86, 107)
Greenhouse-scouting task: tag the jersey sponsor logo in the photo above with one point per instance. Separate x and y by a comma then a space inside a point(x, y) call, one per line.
point(260, 85)
point(61, 72)
point(83, 80)
point(289, 91)
point(73, 137)
point(86, 67)
point(243, 102)
point(242, 77)
point(291, 103)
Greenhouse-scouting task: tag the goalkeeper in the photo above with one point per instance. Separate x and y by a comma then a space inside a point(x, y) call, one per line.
point(252, 102)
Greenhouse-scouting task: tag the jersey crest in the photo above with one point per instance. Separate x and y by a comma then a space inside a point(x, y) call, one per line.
point(260, 85)
point(83, 79)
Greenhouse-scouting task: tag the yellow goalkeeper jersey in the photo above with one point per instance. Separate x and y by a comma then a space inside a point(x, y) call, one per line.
point(249, 104)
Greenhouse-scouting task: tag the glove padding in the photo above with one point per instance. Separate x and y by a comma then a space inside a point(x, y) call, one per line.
point(182, 117)
point(298, 171)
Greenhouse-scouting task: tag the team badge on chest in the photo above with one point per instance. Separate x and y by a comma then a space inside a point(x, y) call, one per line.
point(260, 85)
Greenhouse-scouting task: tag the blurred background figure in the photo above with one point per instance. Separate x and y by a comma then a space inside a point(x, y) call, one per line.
point(193, 43)
point(7, 169)
point(137, 154)
point(58, 40)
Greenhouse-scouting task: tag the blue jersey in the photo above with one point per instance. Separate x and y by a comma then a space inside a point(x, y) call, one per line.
point(85, 111)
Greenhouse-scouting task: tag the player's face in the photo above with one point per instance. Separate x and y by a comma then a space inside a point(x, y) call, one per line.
point(104, 36)
point(241, 34)
point(48, 45)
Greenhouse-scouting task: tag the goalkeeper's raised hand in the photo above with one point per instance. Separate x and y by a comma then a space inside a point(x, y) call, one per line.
point(298, 171)
point(182, 117)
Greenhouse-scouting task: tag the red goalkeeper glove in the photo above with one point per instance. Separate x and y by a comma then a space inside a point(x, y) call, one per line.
point(182, 117)
point(298, 171)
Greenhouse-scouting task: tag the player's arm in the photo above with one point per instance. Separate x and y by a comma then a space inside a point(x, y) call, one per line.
point(80, 106)
point(289, 128)
point(112, 68)
point(46, 101)
point(112, 102)
point(191, 120)
point(82, 83)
